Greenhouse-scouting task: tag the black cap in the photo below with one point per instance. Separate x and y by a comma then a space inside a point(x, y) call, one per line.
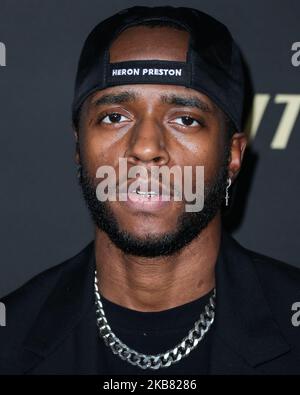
point(213, 64)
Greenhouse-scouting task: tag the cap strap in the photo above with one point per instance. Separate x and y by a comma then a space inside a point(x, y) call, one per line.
point(148, 72)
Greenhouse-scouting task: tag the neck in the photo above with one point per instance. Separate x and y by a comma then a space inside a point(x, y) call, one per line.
point(156, 284)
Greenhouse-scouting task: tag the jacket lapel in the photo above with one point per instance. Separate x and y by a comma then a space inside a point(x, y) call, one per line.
point(246, 334)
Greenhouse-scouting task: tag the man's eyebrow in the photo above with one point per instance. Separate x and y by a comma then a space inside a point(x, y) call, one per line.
point(115, 98)
point(128, 96)
point(189, 101)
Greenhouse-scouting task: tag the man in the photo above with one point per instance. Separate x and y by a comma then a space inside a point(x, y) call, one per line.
point(161, 289)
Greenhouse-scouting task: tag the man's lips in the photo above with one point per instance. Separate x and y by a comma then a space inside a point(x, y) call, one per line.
point(146, 202)
point(154, 189)
point(147, 197)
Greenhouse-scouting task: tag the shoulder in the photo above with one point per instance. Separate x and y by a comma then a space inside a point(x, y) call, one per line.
point(271, 270)
point(279, 281)
point(275, 272)
point(280, 284)
point(23, 305)
point(38, 287)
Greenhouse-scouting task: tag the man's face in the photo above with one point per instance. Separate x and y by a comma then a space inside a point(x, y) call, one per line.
point(152, 125)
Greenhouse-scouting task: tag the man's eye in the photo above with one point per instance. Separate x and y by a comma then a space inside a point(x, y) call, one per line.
point(186, 121)
point(113, 118)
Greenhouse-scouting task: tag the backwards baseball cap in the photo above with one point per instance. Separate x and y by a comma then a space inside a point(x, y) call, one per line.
point(213, 63)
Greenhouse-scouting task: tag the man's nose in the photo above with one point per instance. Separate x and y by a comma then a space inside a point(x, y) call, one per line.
point(147, 144)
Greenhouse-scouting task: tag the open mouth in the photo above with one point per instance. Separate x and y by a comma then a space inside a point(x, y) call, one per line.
point(159, 194)
point(147, 194)
point(146, 189)
point(143, 199)
point(138, 195)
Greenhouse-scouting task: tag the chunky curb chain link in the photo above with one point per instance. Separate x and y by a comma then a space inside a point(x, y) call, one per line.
point(162, 360)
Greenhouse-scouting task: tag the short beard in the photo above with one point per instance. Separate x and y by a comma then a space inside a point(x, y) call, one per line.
point(189, 224)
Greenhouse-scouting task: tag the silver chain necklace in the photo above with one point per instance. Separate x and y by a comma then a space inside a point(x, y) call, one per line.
point(162, 360)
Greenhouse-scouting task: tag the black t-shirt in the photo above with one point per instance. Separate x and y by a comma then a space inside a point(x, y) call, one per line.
point(154, 333)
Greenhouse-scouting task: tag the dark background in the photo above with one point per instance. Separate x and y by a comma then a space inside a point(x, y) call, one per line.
point(43, 217)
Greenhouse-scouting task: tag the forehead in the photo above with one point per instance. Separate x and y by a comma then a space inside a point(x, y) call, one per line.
point(144, 43)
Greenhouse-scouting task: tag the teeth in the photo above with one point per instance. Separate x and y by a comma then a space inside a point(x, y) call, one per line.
point(150, 193)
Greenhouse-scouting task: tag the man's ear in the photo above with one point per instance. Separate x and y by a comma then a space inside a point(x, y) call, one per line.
point(77, 153)
point(238, 146)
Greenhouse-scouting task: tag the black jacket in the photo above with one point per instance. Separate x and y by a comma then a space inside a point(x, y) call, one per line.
point(253, 333)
